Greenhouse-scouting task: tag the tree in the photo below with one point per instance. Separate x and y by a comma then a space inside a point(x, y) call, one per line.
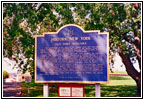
point(123, 22)
point(22, 21)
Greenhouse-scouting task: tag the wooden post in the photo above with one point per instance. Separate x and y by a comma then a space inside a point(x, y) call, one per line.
point(97, 90)
point(28, 87)
point(45, 90)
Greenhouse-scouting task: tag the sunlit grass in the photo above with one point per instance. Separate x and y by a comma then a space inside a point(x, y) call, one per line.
point(118, 72)
point(116, 81)
point(117, 87)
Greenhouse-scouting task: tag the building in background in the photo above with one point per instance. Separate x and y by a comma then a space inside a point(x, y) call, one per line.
point(14, 75)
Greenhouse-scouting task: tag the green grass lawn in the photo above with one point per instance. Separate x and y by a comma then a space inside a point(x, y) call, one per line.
point(118, 72)
point(117, 87)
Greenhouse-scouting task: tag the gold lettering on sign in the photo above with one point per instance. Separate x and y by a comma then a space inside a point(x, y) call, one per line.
point(73, 38)
point(59, 39)
point(69, 39)
point(85, 38)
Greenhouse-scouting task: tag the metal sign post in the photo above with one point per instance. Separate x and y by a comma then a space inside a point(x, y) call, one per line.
point(97, 90)
point(28, 88)
point(45, 90)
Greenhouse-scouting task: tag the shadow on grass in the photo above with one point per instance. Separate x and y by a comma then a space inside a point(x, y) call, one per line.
point(112, 91)
point(53, 91)
point(37, 90)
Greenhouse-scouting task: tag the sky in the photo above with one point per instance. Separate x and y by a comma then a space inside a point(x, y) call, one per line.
point(119, 66)
point(8, 65)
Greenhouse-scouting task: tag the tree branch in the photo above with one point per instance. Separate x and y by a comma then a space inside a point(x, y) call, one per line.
point(137, 46)
point(128, 64)
point(39, 8)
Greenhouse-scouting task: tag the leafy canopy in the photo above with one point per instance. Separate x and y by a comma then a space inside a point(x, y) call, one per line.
point(22, 21)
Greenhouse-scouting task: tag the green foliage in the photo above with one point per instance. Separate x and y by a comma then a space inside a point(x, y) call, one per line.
point(5, 74)
point(22, 21)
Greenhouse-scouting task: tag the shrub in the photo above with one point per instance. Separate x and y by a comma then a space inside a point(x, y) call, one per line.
point(5, 74)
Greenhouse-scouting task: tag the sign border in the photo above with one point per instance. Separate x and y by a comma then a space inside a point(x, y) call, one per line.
point(82, 82)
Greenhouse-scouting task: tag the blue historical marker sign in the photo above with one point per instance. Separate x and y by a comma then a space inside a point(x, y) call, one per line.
point(71, 55)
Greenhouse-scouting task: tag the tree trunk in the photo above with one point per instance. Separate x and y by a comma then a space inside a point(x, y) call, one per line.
point(137, 46)
point(131, 70)
point(138, 82)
